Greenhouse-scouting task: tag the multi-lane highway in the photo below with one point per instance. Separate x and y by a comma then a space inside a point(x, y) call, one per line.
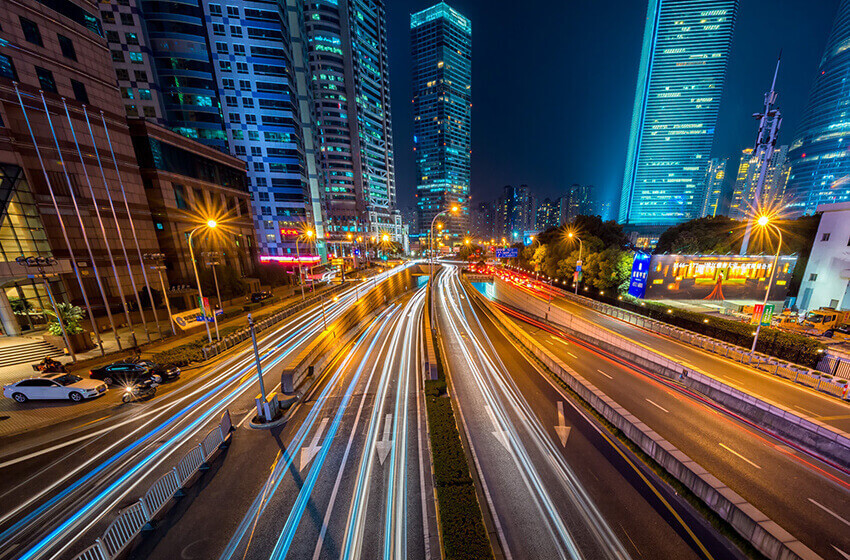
point(556, 485)
point(61, 486)
point(804, 496)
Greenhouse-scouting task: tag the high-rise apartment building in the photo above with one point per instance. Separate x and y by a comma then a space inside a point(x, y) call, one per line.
point(579, 200)
point(682, 68)
point(482, 221)
point(442, 114)
point(548, 214)
point(350, 80)
point(818, 156)
point(516, 211)
point(743, 203)
point(715, 176)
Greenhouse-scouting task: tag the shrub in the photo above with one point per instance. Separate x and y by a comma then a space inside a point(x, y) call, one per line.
point(464, 536)
point(179, 356)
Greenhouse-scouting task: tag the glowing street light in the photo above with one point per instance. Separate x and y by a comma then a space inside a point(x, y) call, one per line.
point(211, 224)
point(764, 222)
point(572, 235)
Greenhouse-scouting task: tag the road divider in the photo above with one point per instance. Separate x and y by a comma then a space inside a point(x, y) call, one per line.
point(825, 442)
point(131, 520)
point(753, 525)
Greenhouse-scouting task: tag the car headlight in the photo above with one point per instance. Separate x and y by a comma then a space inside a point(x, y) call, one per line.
point(128, 389)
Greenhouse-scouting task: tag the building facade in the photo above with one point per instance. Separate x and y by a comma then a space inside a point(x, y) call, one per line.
point(743, 203)
point(72, 189)
point(683, 63)
point(820, 163)
point(715, 177)
point(579, 200)
point(442, 115)
point(482, 221)
point(516, 211)
point(350, 80)
point(826, 282)
point(548, 214)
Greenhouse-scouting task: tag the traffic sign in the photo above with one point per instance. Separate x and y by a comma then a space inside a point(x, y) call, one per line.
point(510, 253)
point(337, 262)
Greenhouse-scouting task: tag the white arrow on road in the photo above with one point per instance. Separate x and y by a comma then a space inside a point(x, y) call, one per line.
point(498, 433)
point(310, 451)
point(561, 427)
point(383, 446)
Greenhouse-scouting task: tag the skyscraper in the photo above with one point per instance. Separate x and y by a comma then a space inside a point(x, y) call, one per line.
point(516, 210)
point(442, 114)
point(548, 214)
point(743, 202)
point(579, 201)
point(348, 60)
point(820, 162)
point(482, 221)
point(715, 175)
point(682, 68)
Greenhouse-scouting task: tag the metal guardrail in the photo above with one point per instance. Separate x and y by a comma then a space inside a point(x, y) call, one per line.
point(135, 517)
point(231, 340)
point(770, 364)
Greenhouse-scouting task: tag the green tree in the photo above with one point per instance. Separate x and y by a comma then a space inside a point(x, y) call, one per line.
point(71, 316)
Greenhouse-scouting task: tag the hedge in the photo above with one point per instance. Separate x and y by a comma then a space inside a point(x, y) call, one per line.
point(461, 523)
point(791, 347)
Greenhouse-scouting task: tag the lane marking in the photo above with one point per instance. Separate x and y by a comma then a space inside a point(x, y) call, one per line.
point(829, 511)
point(499, 433)
point(573, 355)
point(383, 446)
point(605, 374)
point(733, 452)
point(561, 427)
point(310, 451)
point(841, 552)
point(806, 410)
point(656, 405)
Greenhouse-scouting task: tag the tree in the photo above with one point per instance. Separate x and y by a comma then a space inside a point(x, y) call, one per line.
point(712, 234)
point(469, 251)
point(71, 317)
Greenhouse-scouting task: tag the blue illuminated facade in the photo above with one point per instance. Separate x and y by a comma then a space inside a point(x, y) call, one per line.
point(820, 156)
point(442, 111)
point(682, 69)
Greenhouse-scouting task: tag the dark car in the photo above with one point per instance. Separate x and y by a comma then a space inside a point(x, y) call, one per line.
point(123, 373)
point(167, 373)
point(257, 297)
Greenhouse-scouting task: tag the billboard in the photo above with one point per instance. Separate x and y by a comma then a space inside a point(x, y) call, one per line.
point(640, 271)
point(716, 277)
point(510, 253)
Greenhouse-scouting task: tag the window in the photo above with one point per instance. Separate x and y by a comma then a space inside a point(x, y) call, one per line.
point(31, 32)
point(179, 195)
point(225, 66)
point(145, 94)
point(813, 277)
point(245, 85)
point(45, 78)
point(251, 119)
point(240, 150)
point(127, 93)
point(150, 112)
point(136, 58)
point(107, 17)
point(79, 91)
point(230, 100)
point(239, 50)
point(112, 37)
point(221, 48)
point(127, 19)
point(215, 10)
point(122, 74)
point(227, 83)
point(117, 56)
point(234, 117)
point(264, 197)
point(132, 38)
point(242, 67)
point(232, 11)
point(254, 136)
point(236, 30)
point(131, 110)
point(256, 151)
point(825, 237)
point(7, 69)
point(247, 102)
point(218, 29)
point(259, 167)
point(140, 75)
point(67, 47)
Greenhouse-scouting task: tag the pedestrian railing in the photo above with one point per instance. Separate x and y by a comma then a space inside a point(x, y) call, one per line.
point(132, 519)
point(799, 374)
point(243, 334)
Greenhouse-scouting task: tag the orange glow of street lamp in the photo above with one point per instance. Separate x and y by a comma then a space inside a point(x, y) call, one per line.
point(211, 224)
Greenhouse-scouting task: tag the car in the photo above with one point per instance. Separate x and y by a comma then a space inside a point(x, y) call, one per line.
point(123, 373)
point(257, 297)
point(55, 386)
point(166, 373)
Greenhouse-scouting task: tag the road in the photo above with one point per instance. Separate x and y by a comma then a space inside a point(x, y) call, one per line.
point(805, 497)
point(555, 484)
point(827, 409)
point(61, 486)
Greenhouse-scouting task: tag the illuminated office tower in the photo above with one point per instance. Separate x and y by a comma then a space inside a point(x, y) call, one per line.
point(442, 115)
point(820, 162)
point(682, 68)
point(350, 80)
point(743, 203)
point(714, 177)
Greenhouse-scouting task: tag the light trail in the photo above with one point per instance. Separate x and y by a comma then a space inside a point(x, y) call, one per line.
point(292, 337)
point(501, 394)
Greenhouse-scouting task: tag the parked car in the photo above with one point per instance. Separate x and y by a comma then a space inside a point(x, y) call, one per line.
point(164, 372)
point(55, 386)
point(124, 373)
point(257, 297)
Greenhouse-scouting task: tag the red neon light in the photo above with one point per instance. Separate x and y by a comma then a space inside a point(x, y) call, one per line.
point(305, 259)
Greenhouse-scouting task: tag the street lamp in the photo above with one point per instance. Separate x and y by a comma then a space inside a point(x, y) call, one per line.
point(453, 210)
point(158, 265)
point(212, 259)
point(571, 235)
point(309, 235)
point(764, 222)
point(211, 224)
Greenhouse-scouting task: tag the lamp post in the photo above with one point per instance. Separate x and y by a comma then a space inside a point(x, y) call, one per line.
point(571, 235)
point(259, 367)
point(431, 270)
point(158, 265)
point(309, 235)
point(764, 222)
point(210, 224)
point(212, 259)
point(39, 263)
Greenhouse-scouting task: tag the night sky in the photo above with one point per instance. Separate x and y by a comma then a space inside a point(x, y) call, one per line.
point(554, 82)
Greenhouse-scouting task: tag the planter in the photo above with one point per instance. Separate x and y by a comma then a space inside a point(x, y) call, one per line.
point(80, 342)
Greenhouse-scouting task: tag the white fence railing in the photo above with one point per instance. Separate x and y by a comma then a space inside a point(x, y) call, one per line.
point(133, 518)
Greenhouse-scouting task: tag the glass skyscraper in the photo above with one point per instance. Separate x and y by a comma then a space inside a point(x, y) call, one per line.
point(819, 157)
point(682, 69)
point(442, 115)
point(350, 79)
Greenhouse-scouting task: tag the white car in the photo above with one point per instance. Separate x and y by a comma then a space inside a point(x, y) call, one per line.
point(55, 386)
